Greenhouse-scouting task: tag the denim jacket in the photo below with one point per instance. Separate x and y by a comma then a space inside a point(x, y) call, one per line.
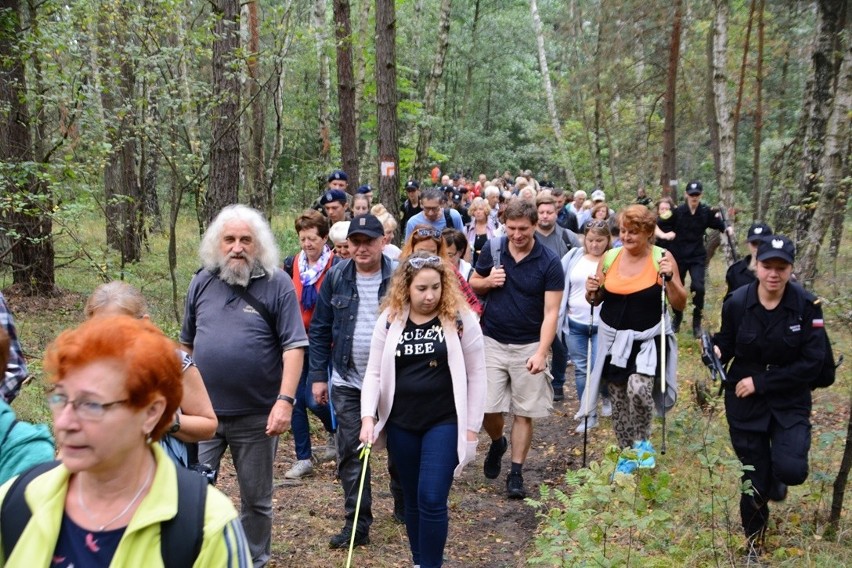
point(333, 322)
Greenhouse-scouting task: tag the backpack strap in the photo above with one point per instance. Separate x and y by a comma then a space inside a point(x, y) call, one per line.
point(448, 219)
point(657, 254)
point(252, 301)
point(181, 536)
point(15, 514)
point(496, 244)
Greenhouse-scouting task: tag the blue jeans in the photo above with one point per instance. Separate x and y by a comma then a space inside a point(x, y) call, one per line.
point(425, 461)
point(560, 361)
point(578, 347)
point(299, 424)
point(253, 453)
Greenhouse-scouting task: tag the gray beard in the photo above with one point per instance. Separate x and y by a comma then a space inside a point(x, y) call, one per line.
point(239, 276)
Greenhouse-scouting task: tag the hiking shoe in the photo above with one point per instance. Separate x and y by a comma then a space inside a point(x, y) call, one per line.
point(302, 468)
point(399, 511)
point(515, 486)
point(777, 490)
point(558, 394)
point(645, 454)
point(492, 465)
point(606, 406)
point(626, 466)
point(592, 423)
point(341, 539)
point(330, 451)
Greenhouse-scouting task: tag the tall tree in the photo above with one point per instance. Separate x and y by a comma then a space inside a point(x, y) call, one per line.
point(424, 126)
point(386, 101)
point(26, 221)
point(323, 84)
point(668, 175)
point(223, 185)
point(724, 123)
point(555, 124)
point(347, 121)
point(758, 211)
point(257, 189)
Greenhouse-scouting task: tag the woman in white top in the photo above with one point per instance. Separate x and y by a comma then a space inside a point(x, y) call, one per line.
point(575, 314)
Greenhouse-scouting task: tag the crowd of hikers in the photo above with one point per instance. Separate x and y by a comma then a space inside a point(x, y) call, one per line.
point(500, 286)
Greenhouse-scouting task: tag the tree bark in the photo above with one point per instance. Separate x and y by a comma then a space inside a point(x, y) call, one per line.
point(223, 184)
point(386, 102)
point(741, 82)
point(668, 175)
point(724, 120)
point(323, 84)
point(424, 127)
point(347, 122)
point(756, 206)
point(30, 203)
point(255, 121)
point(564, 155)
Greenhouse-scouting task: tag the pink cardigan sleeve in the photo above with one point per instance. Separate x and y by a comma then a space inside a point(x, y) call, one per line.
point(473, 351)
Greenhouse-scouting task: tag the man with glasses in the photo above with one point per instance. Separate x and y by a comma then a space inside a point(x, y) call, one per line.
point(434, 213)
point(340, 335)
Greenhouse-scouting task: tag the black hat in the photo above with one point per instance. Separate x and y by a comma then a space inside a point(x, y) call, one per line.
point(333, 195)
point(338, 175)
point(757, 231)
point(367, 225)
point(447, 188)
point(456, 177)
point(776, 246)
point(694, 188)
point(366, 188)
point(412, 185)
point(457, 198)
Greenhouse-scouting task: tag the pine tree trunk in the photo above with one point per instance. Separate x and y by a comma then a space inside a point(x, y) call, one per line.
point(30, 199)
point(724, 120)
point(756, 206)
point(669, 170)
point(346, 92)
point(424, 127)
point(386, 101)
point(223, 184)
point(323, 84)
point(255, 161)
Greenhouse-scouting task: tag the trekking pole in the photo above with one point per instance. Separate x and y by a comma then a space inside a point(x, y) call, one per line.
point(585, 400)
point(663, 362)
point(365, 455)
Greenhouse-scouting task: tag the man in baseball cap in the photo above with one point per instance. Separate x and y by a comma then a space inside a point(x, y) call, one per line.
point(411, 206)
point(742, 272)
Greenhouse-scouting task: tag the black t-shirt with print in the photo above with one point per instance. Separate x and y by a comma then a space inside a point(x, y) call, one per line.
point(424, 387)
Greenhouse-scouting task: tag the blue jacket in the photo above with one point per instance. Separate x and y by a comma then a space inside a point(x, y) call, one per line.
point(333, 322)
point(22, 445)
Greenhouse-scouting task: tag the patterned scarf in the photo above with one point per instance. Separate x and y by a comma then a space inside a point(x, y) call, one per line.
point(309, 276)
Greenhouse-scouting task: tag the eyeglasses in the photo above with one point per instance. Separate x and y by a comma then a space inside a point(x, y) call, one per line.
point(418, 262)
point(432, 209)
point(432, 233)
point(85, 409)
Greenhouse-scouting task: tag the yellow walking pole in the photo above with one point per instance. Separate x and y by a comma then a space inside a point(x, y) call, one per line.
point(365, 455)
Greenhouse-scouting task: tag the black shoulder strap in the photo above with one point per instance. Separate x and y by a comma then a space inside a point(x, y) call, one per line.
point(252, 301)
point(181, 537)
point(448, 219)
point(288, 265)
point(15, 513)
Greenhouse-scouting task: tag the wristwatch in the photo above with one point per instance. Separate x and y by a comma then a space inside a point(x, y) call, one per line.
point(286, 398)
point(176, 426)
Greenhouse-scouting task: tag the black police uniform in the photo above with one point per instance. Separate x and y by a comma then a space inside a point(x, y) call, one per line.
point(782, 350)
point(739, 274)
point(690, 254)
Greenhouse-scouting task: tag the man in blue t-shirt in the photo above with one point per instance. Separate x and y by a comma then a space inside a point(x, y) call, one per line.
point(434, 213)
point(524, 289)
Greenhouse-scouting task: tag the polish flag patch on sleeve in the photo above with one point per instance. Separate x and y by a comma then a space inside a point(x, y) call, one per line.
point(818, 323)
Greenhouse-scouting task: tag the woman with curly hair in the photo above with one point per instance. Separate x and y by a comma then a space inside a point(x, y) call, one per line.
point(424, 394)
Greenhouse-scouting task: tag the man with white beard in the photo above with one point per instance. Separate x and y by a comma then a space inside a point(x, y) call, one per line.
point(244, 329)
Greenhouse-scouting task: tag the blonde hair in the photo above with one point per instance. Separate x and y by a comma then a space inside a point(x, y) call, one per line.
point(116, 294)
point(399, 295)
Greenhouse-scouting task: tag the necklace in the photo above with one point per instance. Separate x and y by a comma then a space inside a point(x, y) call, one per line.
point(123, 511)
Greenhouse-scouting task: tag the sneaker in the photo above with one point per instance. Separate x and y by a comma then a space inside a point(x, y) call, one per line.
point(645, 454)
point(492, 465)
point(341, 539)
point(515, 486)
point(558, 394)
point(626, 465)
point(330, 451)
point(606, 406)
point(302, 468)
point(592, 423)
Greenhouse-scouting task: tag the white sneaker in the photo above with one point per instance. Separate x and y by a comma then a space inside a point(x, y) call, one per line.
point(593, 423)
point(606, 407)
point(330, 451)
point(302, 468)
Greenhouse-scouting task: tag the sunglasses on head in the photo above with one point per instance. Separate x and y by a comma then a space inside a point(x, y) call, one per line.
point(596, 225)
point(433, 233)
point(418, 262)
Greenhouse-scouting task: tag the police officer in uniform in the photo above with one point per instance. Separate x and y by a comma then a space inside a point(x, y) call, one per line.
point(772, 331)
point(742, 271)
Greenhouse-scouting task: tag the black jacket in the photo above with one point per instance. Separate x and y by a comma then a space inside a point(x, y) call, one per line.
point(688, 244)
point(782, 350)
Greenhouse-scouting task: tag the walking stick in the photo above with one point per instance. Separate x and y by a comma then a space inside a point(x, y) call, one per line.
point(365, 455)
point(663, 362)
point(588, 377)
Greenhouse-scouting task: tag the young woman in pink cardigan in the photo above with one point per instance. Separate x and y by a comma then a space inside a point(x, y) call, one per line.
point(424, 394)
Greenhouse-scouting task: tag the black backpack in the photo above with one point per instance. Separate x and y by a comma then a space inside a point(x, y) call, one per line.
point(180, 537)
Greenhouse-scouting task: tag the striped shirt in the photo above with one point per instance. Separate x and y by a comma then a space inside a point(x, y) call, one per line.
point(368, 312)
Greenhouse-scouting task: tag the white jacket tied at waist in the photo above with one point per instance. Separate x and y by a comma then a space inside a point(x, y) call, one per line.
point(619, 344)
